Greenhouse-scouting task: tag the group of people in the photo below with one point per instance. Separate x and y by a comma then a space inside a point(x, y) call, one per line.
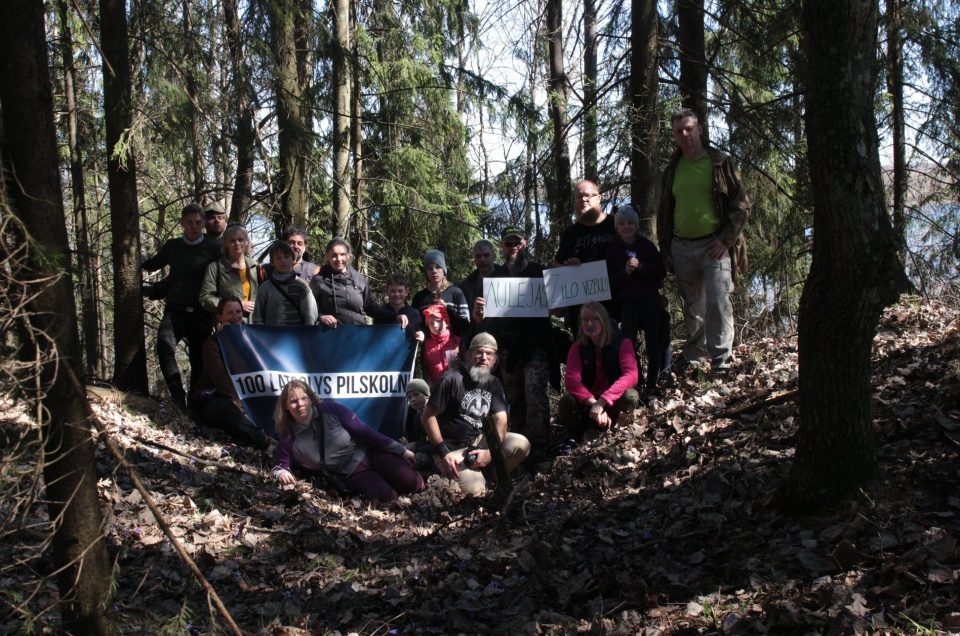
point(701, 216)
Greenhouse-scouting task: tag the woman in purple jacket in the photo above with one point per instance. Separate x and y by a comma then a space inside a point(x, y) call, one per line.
point(323, 435)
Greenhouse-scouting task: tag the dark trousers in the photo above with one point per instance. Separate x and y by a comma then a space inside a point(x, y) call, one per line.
point(217, 411)
point(180, 323)
point(647, 315)
point(382, 476)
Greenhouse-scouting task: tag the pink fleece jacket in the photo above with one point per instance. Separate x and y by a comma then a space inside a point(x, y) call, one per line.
point(609, 390)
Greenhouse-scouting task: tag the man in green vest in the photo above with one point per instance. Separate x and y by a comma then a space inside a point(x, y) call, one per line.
point(703, 210)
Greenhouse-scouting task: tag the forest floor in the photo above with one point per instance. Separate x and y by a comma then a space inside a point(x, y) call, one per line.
point(671, 525)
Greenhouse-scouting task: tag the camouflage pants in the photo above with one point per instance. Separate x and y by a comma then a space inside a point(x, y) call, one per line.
point(525, 380)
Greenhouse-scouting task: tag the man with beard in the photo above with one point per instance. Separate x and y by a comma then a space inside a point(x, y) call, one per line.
point(586, 240)
point(453, 419)
point(214, 221)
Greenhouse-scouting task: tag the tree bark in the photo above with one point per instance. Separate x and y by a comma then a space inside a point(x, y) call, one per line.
point(69, 469)
point(693, 61)
point(244, 138)
point(644, 118)
point(85, 272)
point(193, 94)
point(356, 140)
point(895, 87)
point(590, 90)
point(293, 140)
point(130, 357)
point(341, 117)
point(561, 200)
point(855, 272)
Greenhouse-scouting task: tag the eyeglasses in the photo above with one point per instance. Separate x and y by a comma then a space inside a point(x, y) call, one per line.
point(587, 195)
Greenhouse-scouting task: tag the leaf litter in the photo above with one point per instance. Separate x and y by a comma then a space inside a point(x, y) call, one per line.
point(669, 524)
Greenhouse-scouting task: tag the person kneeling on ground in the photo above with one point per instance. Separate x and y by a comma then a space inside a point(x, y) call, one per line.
point(453, 418)
point(600, 376)
point(213, 397)
point(322, 435)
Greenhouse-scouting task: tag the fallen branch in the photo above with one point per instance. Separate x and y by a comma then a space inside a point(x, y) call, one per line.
point(151, 504)
point(753, 407)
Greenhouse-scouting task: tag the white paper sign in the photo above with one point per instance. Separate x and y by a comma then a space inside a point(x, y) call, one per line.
point(514, 298)
point(577, 284)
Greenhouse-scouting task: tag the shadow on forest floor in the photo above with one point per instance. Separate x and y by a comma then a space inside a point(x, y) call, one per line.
point(669, 525)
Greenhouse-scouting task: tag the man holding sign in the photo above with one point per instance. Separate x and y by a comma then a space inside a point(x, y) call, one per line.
point(586, 240)
point(526, 352)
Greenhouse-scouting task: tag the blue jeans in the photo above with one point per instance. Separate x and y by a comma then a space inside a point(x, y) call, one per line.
point(705, 285)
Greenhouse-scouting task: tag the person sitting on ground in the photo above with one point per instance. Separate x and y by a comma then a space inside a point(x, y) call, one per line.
point(636, 274)
point(453, 419)
point(418, 392)
point(396, 310)
point(343, 294)
point(600, 375)
point(213, 397)
point(183, 318)
point(440, 290)
point(441, 348)
point(322, 435)
point(234, 275)
point(284, 300)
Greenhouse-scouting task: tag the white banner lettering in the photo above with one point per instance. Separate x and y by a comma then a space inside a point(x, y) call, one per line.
point(373, 384)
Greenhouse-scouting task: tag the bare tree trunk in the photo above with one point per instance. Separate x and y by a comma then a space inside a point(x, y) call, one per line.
point(130, 357)
point(293, 141)
point(193, 94)
point(341, 118)
point(895, 87)
point(85, 278)
point(590, 90)
point(242, 114)
point(30, 154)
point(855, 272)
point(560, 202)
point(356, 135)
point(693, 62)
point(644, 118)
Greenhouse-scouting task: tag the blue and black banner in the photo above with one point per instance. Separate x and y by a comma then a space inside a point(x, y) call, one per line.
point(365, 368)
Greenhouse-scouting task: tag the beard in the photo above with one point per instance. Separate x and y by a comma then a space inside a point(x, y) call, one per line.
point(480, 374)
point(590, 215)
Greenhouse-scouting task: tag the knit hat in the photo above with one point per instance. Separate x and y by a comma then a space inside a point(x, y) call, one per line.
point(439, 310)
point(213, 208)
point(418, 385)
point(627, 213)
point(483, 339)
point(511, 230)
point(437, 258)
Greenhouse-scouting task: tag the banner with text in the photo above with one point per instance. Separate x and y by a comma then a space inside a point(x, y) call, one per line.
point(366, 368)
point(577, 284)
point(514, 298)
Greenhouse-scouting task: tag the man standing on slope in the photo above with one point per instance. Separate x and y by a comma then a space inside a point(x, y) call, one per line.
point(703, 210)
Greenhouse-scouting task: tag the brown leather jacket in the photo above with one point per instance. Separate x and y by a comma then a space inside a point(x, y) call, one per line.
point(730, 202)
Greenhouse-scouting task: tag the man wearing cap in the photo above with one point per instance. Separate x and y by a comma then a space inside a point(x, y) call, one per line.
point(453, 418)
point(214, 221)
point(702, 213)
point(526, 354)
point(587, 239)
point(183, 318)
point(485, 259)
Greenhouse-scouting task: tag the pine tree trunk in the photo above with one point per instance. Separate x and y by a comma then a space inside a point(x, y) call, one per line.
point(242, 113)
point(85, 273)
point(130, 357)
point(895, 88)
point(193, 95)
point(590, 90)
point(693, 62)
point(855, 272)
point(644, 117)
point(30, 155)
point(341, 119)
point(561, 200)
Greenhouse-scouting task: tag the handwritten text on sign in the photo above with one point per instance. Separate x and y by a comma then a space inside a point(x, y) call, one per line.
point(576, 284)
point(515, 298)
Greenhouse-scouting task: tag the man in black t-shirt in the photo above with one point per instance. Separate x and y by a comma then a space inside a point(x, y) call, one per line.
point(586, 240)
point(453, 418)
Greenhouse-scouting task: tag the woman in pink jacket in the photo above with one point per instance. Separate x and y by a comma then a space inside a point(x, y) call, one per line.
point(600, 377)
